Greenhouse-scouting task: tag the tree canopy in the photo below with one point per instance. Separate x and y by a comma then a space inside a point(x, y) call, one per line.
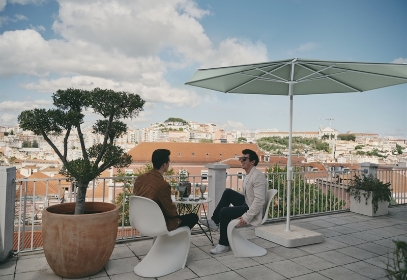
point(176, 120)
point(276, 143)
point(68, 115)
point(347, 137)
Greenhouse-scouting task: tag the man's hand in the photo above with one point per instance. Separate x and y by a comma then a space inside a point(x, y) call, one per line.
point(241, 223)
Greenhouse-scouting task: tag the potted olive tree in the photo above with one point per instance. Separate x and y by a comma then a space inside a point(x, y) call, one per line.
point(376, 195)
point(79, 237)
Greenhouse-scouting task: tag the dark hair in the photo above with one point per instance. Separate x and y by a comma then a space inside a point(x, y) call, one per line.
point(159, 157)
point(252, 155)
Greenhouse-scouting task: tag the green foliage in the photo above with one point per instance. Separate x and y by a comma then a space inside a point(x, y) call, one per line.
point(205, 141)
point(375, 152)
point(276, 143)
point(29, 144)
point(347, 137)
point(367, 186)
point(306, 198)
point(322, 146)
point(359, 147)
point(6, 133)
point(68, 115)
point(26, 144)
point(397, 269)
point(242, 139)
point(399, 149)
point(122, 199)
point(176, 120)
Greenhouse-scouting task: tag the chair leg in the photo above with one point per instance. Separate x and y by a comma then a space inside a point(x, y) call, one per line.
point(168, 254)
point(242, 247)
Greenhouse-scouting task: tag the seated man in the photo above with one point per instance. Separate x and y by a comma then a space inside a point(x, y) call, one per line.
point(248, 206)
point(153, 186)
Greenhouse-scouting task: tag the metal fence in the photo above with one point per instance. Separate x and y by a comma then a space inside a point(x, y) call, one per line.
point(312, 193)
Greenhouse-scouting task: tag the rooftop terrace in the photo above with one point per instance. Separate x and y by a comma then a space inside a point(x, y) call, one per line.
point(354, 247)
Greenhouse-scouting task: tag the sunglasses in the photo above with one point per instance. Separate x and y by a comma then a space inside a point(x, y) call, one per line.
point(241, 159)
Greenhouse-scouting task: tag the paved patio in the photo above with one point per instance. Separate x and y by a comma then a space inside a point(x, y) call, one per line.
point(354, 247)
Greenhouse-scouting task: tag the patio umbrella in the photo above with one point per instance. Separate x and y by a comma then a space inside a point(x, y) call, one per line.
point(299, 77)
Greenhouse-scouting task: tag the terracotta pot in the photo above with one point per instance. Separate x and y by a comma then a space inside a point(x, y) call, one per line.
point(79, 245)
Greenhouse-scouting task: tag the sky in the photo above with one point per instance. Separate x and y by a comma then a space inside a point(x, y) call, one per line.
point(153, 47)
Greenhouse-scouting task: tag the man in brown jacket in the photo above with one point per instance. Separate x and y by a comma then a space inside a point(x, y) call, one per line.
point(153, 186)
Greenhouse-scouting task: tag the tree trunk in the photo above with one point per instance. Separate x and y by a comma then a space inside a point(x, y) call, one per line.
point(80, 197)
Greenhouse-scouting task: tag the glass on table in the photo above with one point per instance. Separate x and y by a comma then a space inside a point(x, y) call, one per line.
point(202, 188)
point(181, 190)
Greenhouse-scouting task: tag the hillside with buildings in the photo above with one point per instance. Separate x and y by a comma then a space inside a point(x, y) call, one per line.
point(30, 153)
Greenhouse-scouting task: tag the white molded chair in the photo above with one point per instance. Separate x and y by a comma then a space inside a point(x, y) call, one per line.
point(242, 247)
point(170, 248)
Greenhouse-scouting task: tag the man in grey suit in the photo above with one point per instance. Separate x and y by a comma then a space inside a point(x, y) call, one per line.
point(248, 205)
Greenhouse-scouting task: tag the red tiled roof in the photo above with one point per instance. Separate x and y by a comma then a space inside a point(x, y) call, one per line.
point(351, 166)
point(191, 152)
point(40, 186)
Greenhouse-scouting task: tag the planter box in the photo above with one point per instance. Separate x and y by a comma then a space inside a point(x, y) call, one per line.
point(367, 209)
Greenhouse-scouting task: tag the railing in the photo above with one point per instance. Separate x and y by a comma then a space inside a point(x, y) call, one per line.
point(312, 193)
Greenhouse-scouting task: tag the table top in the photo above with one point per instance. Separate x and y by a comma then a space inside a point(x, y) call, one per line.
point(192, 202)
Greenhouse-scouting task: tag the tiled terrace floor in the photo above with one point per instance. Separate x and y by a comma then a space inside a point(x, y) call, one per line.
point(354, 247)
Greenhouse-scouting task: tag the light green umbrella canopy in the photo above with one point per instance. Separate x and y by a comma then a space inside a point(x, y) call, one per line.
point(299, 77)
point(309, 77)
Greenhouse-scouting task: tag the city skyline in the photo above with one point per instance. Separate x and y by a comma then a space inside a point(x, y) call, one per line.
point(152, 48)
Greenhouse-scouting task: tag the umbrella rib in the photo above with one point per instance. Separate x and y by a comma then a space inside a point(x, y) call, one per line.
point(315, 72)
point(248, 82)
point(341, 83)
point(332, 79)
point(364, 72)
point(321, 77)
point(266, 79)
point(269, 73)
point(258, 77)
point(229, 74)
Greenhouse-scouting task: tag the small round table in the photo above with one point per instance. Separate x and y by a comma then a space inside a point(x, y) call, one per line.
point(193, 205)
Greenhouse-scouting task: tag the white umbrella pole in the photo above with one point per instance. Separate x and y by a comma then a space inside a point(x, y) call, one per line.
point(290, 140)
point(289, 164)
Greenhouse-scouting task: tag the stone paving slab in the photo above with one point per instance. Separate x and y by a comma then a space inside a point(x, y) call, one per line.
point(288, 268)
point(259, 273)
point(354, 247)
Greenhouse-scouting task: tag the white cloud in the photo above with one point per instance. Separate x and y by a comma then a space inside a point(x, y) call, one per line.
point(21, 17)
point(233, 52)
point(122, 45)
point(9, 110)
point(159, 91)
point(3, 20)
point(2, 5)
point(38, 28)
point(7, 119)
point(400, 60)
point(303, 48)
point(233, 125)
point(6, 19)
point(18, 106)
point(26, 2)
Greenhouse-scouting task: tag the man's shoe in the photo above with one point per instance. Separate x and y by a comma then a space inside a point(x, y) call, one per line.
point(209, 223)
point(219, 249)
